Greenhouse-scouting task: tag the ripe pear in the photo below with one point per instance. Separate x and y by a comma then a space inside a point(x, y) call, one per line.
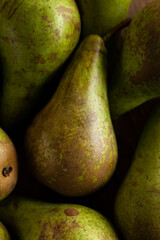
point(136, 77)
point(4, 235)
point(138, 200)
point(8, 165)
point(100, 16)
point(71, 145)
point(32, 219)
point(36, 38)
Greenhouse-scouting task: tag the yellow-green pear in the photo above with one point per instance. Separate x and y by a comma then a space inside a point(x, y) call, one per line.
point(100, 16)
point(4, 234)
point(8, 165)
point(32, 219)
point(71, 145)
point(36, 38)
point(137, 203)
point(136, 78)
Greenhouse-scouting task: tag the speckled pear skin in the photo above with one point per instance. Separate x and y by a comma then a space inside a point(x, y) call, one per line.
point(137, 202)
point(71, 145)
point(37, 220)
point(100, 16)
point(36, 38)
point(4, 235)
point(8, 165)
point(136, 77)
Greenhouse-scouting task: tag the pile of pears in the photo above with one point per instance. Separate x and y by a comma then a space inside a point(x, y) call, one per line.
point(65, 104)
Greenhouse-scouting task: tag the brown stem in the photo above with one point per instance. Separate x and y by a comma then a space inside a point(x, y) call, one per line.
point(117, 28)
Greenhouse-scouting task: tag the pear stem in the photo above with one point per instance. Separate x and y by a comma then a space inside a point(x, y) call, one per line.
point(116, 29)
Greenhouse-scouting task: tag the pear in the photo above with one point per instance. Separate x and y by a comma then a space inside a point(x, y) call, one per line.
point(137, 202)
point(32, 219)
point(8, 165)
point(71, 145)
point(135, 79)
point(4, 235)
point(36, 38)
point(100, 16)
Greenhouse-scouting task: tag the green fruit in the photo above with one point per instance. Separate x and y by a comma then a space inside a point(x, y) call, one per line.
point(4, 235)
point(138, 200)
point(37, 220)
point(71, 145)
point(8, 165)
point(136, 77)
point(36, 38)
point(100, 16)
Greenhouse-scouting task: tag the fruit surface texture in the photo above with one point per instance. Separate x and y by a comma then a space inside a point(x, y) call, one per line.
point(71, 145)
point(137, 203)
point(136, 77)
point(4, 235)
point(36, 38)
point(100, 16)
point(8, 165)
point(37, 220)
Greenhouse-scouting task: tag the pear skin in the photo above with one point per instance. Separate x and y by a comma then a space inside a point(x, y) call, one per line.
point(100, 16)
point(71, 145)
point(137, 203)
point(4, 235)
point(32, 219)
point(136, 76)
point(8, 165)
point(36, 38)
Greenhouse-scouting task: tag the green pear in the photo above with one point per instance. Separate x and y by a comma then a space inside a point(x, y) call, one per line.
point(4, 235)
point(138, 199)
point(100, 16)
point(137, 74)
point(71, 145)
point(8, 165)
point(32, 219)
point(36, 38)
